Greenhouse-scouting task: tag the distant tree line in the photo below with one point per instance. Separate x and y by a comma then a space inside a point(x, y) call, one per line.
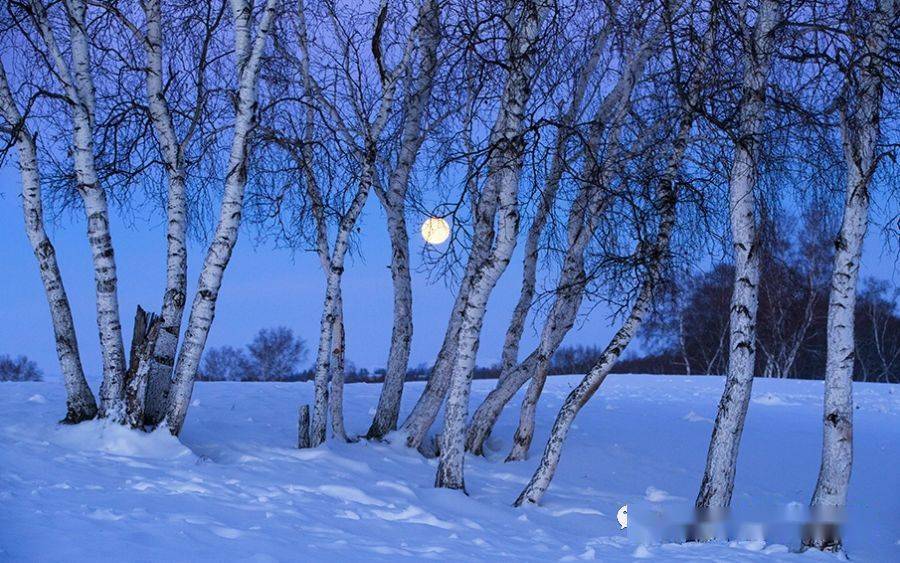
point(19, 368)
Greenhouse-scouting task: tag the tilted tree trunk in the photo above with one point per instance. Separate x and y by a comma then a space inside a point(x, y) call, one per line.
point(249, 54)
point(582, 221)
point(513, 339)
point(394, 202)
point(80, 403)
point(721, 461)
point(667, 199)
point(78, 86)
point(860, 133)
point(525, 430)
point(540, 481)
point(504, 167)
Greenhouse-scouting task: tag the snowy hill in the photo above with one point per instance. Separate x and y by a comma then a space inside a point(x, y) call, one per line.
point(237, 489)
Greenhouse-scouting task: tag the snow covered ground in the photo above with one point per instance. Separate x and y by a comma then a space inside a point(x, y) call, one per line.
point(235, 488)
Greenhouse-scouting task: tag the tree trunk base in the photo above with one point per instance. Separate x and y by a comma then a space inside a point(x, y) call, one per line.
point(303, 441)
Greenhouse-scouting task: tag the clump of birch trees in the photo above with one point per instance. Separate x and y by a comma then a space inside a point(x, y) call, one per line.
point(604, 139)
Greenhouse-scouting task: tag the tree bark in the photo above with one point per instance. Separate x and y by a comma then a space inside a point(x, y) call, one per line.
point(336, 396)
point(303, 427)
point(176, 227)
point(143, 343)
point(394, 202)
point(79, 89)
point(225, 237)
point(80, 403)
point(504, 167)
point(584, 216)
point(721, 461)
point(860, 133)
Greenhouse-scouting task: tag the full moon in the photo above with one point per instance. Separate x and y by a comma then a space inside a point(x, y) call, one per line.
point(435, 230)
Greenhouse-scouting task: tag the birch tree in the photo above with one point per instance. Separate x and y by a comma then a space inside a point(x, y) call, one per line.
point(73, 71)
point(604, 138)
point(758, 45)
point(173, 139)
point(80, 403)
point(655, 255)
point(393, 200)
point(364, 151)
point(504, 166)
point(860, 108)
point(249, 48)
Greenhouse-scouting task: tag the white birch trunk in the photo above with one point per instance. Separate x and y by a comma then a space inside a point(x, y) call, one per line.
point(79, 88)
point(176, 227)
point(415, 427)
point(511, 343)
point(394, 202)
point(318, 426)
point(583, 219)
point(336, 396)
point(80, 403)
point(540, 481)
point(504, 168)
point(225, 237)
point(860, 132)
point(721, 461)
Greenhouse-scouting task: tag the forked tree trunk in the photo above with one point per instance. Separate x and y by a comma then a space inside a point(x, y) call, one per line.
point(366, 155)
point(860, 133)
point(80, 403)
point(248, 53)
point(504, 167)
point(79, 89)
point(394, 202)
point(721, 461)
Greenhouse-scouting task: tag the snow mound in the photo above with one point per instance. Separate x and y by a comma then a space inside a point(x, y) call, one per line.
point(773, 400)
point(115, 439)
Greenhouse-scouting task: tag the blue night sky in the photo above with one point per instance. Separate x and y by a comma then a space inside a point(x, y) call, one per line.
point(264, 287)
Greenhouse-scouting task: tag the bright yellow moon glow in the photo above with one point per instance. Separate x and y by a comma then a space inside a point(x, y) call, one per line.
point(435, 230)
